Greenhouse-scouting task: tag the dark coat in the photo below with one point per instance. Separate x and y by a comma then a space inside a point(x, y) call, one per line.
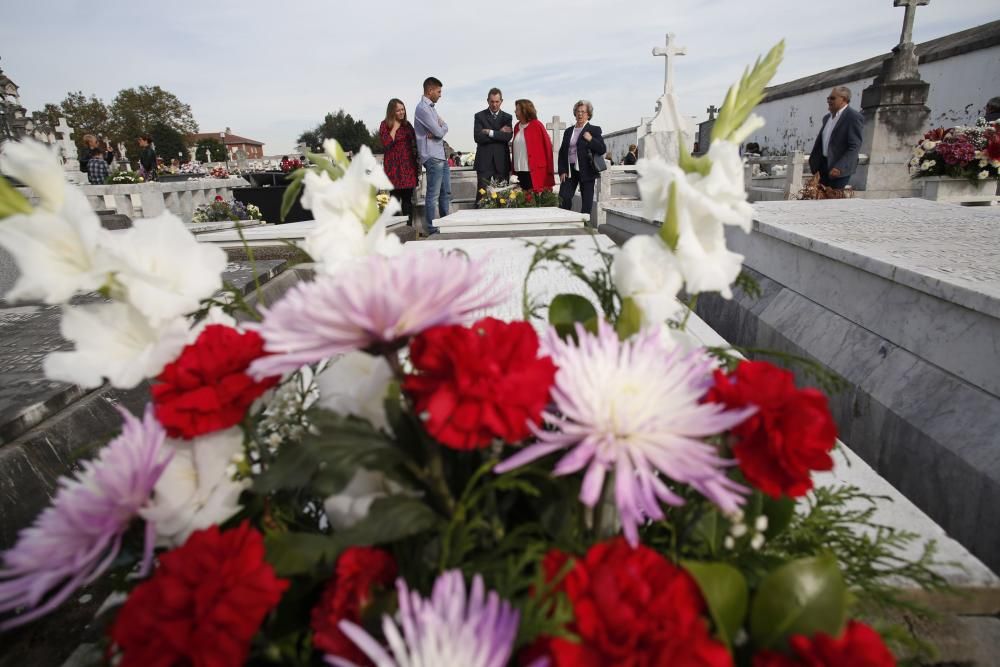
point(584, 151)
point(845, 142)
point(492, 153)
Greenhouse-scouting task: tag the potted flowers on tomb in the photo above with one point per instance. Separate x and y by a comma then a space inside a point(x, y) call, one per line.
point(221, 210)
point(369, 471)
point(959, 163)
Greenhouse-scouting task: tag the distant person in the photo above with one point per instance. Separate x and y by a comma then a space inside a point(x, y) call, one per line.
point(610, 160)
point(835, 153)
point(532, 150)
point(580, 143)
point(97, 167)
point(90, 143)
point(753, 148)
point(431, 129)
point(492, 132)
point(147, 158)
point(401, 161)
point(632, 156)
point(992, 113)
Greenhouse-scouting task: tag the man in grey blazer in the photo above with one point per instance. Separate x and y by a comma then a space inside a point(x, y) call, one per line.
point(835, 154)
point(493, 131)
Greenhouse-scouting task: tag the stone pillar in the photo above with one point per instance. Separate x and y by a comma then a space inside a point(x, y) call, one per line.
point(793, 174)
point(152, 200)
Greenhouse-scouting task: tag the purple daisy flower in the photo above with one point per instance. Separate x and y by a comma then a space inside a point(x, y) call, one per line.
point(378, 301)
point(74, 540)
point(448, 630)
point(634, 407)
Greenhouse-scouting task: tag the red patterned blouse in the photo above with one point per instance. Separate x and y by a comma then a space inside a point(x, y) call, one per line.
point(400, 160)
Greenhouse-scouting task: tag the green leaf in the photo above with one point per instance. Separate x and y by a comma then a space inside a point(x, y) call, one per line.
point(711, 528)
point(293, 468)
point(670, 231)
point(629, 320)
point(779, 514)
point(12, 202)
point(568, 309)
point(725, 591)
point(291, 194)
point(746, 94)
point(803, 597)
point(298, 553)
point(691, 165)
point(372, 212)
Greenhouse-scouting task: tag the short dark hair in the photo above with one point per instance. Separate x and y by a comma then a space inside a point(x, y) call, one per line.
point(494, 91)
point(146, 137)
point(432, 82)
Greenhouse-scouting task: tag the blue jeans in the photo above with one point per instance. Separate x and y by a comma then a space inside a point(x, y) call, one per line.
point(438, 192)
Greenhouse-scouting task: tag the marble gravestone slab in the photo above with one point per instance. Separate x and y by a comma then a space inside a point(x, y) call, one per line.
point(508, 260)
point(203, 227)
point(270, 235)
point(511, 220)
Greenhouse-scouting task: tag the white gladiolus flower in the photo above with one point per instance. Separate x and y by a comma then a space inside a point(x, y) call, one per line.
point(355, 384)
point(335, 243)
point(196, 490)
point(646, 271)
point(749, 126)
point(349, 194)
point(39, 167)
point(351, 505)
point(164, 270)
point(116, 342)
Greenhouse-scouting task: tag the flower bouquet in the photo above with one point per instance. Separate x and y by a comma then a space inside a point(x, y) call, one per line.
point(972, 152)
point(290, 165)
point(514, 197)
point(122, 177)
point(219, 172)
point(221, 210)
point(469, 159)
point(368, 471)
point(193, 168)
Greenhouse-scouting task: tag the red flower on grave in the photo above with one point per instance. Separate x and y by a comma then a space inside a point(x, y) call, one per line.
point(631, 607)
point(206, 388)
point(859, 646)
point(992, 150)
point(361, 572)
point(218, 198)
point(937, 134)
point(790, 435)
point(474, 384)
point(202, 606)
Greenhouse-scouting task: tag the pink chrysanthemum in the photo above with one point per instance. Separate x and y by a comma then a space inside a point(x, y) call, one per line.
point(75, 539)
point(634, 407)
point(451, 629)
point(377, 302)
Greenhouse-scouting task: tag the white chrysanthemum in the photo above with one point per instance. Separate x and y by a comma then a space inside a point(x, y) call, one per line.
point(196, 490)
point(646, 271)
point(116, 342)
point(165, 272)
point(918, 152)
point(983, 175)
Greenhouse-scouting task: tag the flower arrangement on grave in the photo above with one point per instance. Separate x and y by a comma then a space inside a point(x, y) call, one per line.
point(221, 210)
point(122, 177)
point(369, 471)
point(219, 172)
point(501, 195)
point(970, 152)
point(193, 168)
point(468, 159)
point(289, 165)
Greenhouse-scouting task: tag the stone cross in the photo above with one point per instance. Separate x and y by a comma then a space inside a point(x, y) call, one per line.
point(668, 52)
point(66, 145)
point(555, 127)
point(911, 12)
point(712, 110)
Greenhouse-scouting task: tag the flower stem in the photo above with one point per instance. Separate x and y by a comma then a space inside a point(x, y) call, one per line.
point(604, 516)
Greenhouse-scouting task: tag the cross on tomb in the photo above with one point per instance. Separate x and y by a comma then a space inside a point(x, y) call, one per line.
point(712, 110)
point(66, 145)
point(556, 128)
point(668, 52)
point(911, 13)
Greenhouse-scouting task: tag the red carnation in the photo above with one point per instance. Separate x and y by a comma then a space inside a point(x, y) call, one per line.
point(360, 571)
point(202, 606)
point(859, 646)
point(478, 383)
point(206, 388)
point(632, 607)
point(790, 435)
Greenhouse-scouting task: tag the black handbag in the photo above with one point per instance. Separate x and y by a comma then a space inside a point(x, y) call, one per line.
point(598, 161)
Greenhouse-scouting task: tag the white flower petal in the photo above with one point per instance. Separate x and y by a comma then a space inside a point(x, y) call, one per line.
point(37, 166)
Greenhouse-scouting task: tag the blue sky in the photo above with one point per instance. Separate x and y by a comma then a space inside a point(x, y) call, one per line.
point(270, 70)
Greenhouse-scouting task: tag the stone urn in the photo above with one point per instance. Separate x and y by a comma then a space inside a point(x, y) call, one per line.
point(946, 188)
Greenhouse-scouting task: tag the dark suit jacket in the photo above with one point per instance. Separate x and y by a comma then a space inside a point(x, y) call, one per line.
point(584, 150)
point(845, 142)
point(492, 153)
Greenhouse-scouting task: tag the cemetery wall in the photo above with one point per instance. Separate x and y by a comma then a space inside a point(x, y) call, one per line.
point(963, 72)
point(618, 142)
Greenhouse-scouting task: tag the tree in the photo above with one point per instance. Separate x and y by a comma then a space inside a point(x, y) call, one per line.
point(169, 142)
point(311, 139)
point(86, 115)
point(135, 111)
point(214, 146)
point(351, 134)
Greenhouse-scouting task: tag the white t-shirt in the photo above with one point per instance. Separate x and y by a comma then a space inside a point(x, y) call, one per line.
point(828, 130)
point(520, 149)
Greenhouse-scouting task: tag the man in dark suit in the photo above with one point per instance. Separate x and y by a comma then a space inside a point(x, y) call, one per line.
point(580, 143)
point(835, 154)
point(493, 131)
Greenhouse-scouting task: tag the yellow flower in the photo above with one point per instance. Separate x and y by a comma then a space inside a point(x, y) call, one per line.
point(503, 201)
point(493, 194)
point(141, 179)
point(482, 191)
